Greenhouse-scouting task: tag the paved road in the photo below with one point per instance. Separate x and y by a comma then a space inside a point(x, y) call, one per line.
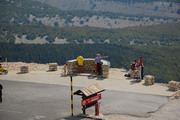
point(38, 101)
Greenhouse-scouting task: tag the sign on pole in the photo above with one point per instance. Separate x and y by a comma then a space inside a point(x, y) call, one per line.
point(91, 100)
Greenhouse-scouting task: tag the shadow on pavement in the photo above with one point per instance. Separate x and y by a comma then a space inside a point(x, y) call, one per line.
point(80, 117)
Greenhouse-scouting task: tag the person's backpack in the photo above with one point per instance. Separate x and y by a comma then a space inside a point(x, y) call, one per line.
point(133, 66)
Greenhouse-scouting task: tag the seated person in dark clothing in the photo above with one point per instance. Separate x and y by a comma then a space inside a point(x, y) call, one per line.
point(1, 87)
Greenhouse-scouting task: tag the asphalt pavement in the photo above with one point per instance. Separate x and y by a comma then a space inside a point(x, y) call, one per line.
point(39, 101)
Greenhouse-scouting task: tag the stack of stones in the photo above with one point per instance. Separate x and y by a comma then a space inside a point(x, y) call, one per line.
point(173, 85)
point(89, 66)
point(134, 73)
point(53, 66)
point(105, 70)
point(149, 79)
point(71, 67)
point(16, 66)
point(24, 69)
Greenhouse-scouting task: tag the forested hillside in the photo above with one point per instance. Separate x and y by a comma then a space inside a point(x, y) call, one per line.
point(138, 1)
point(31, 31)
point(31, 12)
point(163, 8)
point(162, 62)
point(166, 34)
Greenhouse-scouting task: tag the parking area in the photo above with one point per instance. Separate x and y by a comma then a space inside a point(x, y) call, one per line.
point(39, 101)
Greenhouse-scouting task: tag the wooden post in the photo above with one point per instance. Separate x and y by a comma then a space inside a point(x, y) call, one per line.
point(84, 108)
point(97, 107)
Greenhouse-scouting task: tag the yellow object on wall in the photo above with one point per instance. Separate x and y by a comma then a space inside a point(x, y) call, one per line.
point(80, 60)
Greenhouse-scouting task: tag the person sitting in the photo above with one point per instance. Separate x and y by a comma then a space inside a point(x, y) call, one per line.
point(1, 68)
point(1, 88)
point(80, 62)
point(134, 70)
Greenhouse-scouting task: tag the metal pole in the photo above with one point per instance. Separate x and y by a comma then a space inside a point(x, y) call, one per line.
point(97, 106)
point(72, 97)
point(84, 108)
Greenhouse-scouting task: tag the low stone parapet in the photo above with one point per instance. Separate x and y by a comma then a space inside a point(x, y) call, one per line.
point(88, 67)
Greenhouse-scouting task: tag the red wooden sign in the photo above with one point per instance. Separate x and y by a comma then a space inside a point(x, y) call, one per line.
point(91, 100)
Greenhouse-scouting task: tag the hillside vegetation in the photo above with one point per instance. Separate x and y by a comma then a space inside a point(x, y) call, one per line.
point(31, 31)
point(32, 12)
point(162, 62)
point(163, 8)
point(167, 34)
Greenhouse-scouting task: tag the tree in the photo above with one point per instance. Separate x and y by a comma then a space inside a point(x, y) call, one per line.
point(56, 24)
point(50, 39)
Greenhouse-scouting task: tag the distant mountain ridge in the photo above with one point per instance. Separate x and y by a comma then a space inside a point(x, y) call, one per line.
point(33, 16)
point(33, 12)
point(163, 8)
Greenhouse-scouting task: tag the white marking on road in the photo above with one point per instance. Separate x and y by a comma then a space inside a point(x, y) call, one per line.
point(10, 111)
point(36, 117)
